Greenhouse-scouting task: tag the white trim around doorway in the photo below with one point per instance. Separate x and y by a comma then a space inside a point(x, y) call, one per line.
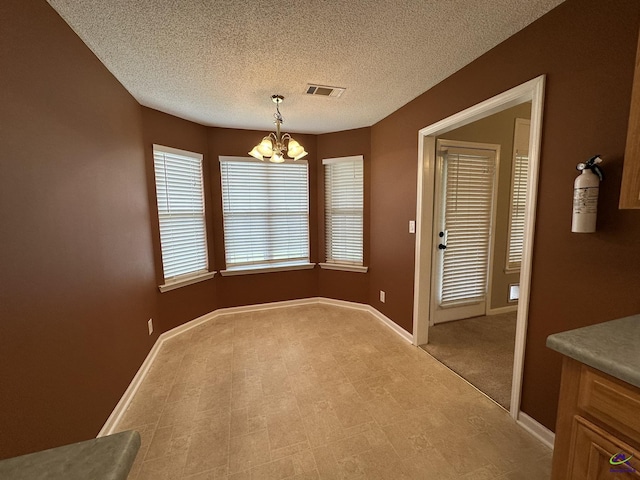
point(532, 91)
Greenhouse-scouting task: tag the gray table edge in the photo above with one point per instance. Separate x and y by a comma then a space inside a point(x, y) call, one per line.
point(105, 458)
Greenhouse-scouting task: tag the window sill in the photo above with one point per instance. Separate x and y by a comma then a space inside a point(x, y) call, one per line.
point(345, 267)
point(266, 269)
point(186, 281)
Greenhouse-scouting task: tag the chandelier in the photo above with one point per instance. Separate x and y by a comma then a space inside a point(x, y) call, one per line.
point(273, 146)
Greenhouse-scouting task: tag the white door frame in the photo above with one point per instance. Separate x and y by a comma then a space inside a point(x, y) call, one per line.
point(532, 91)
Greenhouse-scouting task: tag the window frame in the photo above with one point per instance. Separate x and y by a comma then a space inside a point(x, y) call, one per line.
point(269, 265)
point(330, 262)
point(187, 278)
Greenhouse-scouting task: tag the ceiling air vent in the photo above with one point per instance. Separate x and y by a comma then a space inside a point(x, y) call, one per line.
point(324, 90)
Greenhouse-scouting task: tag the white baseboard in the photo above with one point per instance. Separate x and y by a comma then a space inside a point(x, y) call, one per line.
point(536, 429)
point(116, 415)
point(230, 310)
point(112, 422)
point(386, 321)
point(499, 310)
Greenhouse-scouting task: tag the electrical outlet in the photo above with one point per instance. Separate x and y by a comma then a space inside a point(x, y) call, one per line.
point(382, 296)
point(150, 325)
point(412, 226)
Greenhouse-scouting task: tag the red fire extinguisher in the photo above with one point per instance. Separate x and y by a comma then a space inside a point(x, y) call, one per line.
point(585, 196)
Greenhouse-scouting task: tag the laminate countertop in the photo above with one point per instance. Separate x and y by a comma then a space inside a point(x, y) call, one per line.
point(103, 458)
point(612, 347)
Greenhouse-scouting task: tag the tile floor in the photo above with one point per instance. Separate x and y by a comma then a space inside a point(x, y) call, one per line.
point(317, 392)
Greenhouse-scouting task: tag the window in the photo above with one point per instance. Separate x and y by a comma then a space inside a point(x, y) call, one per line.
point(519, 178)
point(266, 214)
point(180, 197)
point(344, 192)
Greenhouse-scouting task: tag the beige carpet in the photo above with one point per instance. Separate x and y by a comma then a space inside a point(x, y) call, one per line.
point(480, 350)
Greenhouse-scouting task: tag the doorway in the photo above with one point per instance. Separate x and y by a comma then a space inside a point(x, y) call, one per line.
point(427, 231)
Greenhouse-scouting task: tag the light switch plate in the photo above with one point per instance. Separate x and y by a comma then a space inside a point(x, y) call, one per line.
point(412, 226)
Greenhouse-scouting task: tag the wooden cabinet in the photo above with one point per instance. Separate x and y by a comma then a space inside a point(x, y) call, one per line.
point(630, 192)
point(591, 453)
point(598, 427)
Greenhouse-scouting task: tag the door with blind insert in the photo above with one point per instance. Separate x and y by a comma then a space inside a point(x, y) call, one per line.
point(464, 203)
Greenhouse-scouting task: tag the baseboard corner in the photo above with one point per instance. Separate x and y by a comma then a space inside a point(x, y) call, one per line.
point(535, 428)
point(118, 412)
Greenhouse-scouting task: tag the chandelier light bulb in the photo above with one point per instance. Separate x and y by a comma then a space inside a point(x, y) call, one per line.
point(300, 155)
point(265, 148)
point(256, 154)
point(295, 148)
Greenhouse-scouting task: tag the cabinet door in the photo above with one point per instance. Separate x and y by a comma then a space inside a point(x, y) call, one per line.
point(630, 192)
point(598, 455)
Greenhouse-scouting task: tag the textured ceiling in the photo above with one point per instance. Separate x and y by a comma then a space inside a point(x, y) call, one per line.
point(217, 62)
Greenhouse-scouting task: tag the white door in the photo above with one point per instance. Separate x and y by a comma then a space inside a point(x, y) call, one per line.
point(465, 187)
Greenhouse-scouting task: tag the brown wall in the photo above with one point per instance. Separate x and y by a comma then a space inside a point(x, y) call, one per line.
point(587, 49)
point(178, 306)
point(77, 277)
point(80, 271)
point(393, 204)
point(349, 286)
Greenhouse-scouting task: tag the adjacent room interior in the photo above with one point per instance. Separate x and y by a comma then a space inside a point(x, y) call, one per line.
point(474, 327)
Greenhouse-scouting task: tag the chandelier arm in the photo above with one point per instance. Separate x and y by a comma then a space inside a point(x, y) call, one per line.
point(278, 135)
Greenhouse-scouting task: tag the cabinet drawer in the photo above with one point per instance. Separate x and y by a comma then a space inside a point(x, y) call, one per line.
point(610, 402)
point(597, 455)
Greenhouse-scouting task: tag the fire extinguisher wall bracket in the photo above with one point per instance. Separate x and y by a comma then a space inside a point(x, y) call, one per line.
point(585, 196)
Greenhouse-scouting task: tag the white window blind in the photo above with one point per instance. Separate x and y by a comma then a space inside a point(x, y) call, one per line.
point(180, 197)
point(344, 199)
point(469, 180)
point(519, 179)
point(266, 212)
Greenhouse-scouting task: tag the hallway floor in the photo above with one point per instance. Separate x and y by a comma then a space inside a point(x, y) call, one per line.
point(317, 392)
point(480, 350)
